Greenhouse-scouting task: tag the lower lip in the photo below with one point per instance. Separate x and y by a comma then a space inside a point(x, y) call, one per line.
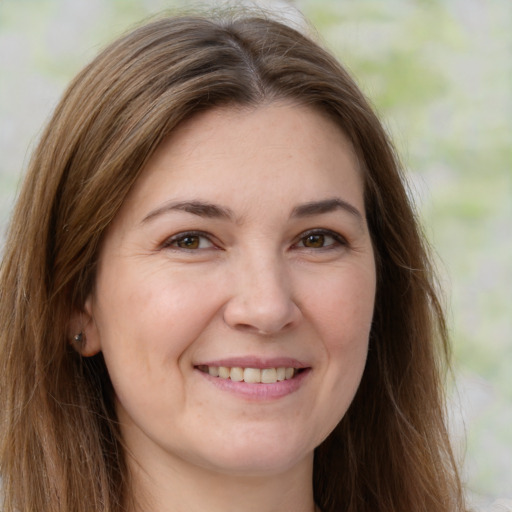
point(257, 391)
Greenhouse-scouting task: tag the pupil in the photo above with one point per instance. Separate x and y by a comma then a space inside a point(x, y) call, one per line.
point(189, 242)
point(314, 241)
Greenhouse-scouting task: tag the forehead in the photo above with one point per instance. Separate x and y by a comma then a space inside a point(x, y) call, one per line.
point(257, 127)
point(277, 152)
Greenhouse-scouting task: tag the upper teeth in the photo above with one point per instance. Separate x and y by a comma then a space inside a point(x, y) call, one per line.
point(252, 375)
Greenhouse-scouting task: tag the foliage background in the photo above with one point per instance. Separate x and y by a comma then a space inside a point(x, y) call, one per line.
point(440, 74)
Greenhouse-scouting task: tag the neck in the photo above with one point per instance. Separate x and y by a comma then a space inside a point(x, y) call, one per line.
point(179, 487)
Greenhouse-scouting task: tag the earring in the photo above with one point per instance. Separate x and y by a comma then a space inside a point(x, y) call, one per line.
point(78, 338)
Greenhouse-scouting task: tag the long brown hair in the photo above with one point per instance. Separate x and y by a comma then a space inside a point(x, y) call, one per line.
point(60, 445)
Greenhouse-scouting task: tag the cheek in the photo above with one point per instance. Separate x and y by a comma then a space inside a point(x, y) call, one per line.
point(154, 300)
point(145, 326)
point(345, 322)
point(342, 321)
point(341, 306)
point(341, 311)
point(147, 320)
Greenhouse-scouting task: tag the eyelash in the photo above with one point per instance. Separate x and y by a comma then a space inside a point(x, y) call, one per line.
point(338, 240)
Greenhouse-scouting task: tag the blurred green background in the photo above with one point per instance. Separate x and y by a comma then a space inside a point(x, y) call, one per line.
point(440, 75)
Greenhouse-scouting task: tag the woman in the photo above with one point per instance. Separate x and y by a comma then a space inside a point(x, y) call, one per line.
point(215, 294)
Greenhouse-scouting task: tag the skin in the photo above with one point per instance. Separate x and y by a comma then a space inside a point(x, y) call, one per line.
point(250, 281)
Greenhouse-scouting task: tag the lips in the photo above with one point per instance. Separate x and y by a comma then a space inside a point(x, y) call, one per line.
point(253, 379)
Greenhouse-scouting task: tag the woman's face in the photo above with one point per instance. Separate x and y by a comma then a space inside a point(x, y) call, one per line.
point(235, 292)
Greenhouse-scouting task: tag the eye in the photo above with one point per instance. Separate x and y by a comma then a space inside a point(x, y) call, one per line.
point(189, 241)
point(320, 239)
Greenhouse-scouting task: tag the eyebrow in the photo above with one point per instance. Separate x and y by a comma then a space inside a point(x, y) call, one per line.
point(200, 208)
point(326, 206)
point(213, 211)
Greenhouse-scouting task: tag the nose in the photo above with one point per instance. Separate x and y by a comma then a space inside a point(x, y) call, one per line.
point(262, 299)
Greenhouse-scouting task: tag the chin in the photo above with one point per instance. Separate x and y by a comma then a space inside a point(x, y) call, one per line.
point(254, 456)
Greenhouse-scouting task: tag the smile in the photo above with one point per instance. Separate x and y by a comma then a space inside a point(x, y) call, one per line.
point(251, 375)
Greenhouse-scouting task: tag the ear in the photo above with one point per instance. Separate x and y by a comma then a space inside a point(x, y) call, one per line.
point(84, 333)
